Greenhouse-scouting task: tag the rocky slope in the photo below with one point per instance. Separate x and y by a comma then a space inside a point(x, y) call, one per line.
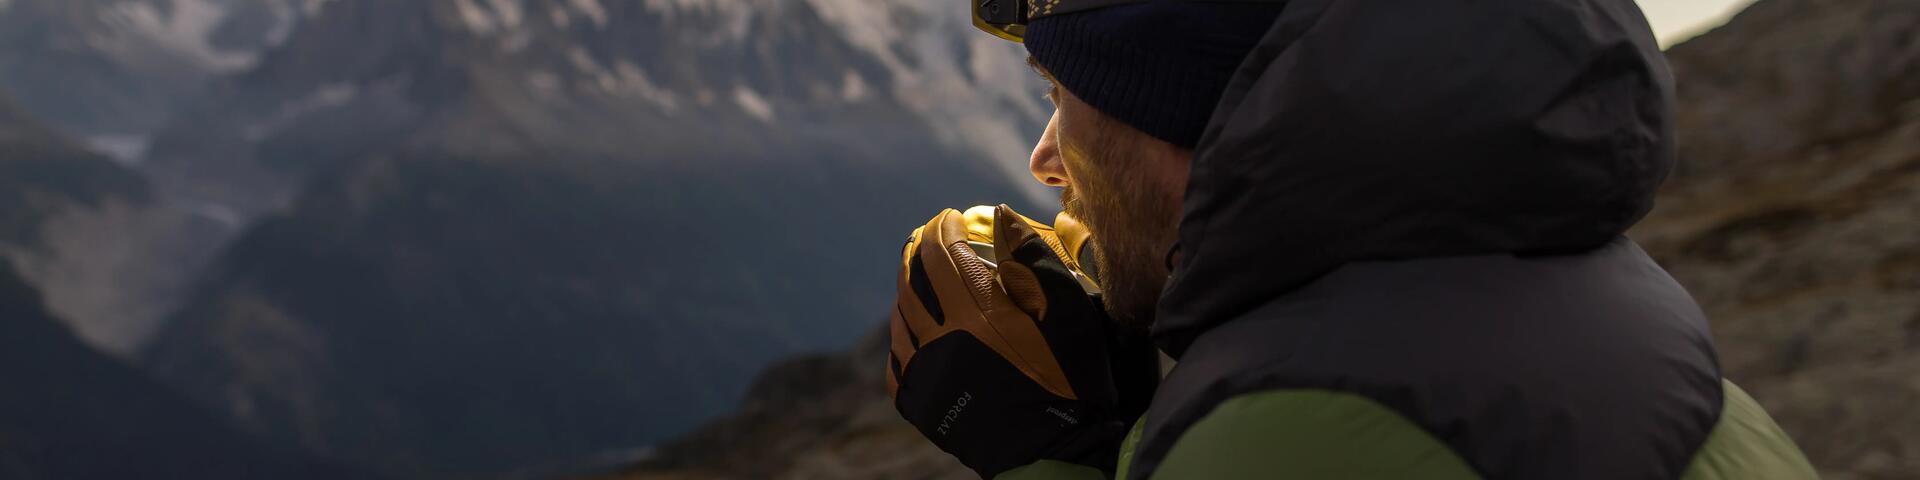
point(1791, 218)
point(815, 417)
point(77, 225)
point(100, 75)
point(67, 410)
point(515, 237)
point(43, 175)
point(71, 413)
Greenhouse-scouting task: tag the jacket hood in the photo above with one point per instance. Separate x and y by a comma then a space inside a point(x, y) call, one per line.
point(1398, 129)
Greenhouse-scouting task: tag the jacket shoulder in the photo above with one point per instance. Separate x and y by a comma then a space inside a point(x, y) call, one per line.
point(1747, 444)
point(1309, 434)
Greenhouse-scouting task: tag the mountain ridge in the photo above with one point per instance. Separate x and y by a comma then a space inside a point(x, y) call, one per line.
point(589, 234)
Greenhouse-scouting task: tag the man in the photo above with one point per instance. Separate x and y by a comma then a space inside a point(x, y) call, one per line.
point(1382, 239)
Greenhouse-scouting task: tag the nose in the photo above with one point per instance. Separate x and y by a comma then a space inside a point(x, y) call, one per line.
point(1045, 162)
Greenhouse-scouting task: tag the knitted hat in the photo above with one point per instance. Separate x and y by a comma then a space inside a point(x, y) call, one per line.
point(1158, 66)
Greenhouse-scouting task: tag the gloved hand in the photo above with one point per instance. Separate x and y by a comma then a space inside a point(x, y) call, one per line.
point(1008, 360)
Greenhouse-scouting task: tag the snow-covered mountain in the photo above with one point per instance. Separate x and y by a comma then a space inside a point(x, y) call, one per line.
point(112, 70)
point(617, 79)
point(487, 237)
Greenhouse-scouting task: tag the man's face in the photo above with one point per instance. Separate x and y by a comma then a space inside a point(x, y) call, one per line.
point(1126, 186)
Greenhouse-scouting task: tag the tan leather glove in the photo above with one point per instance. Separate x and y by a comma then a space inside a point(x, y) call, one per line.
point(1001, 353)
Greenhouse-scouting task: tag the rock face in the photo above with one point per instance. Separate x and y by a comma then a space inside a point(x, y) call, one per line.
point(100, 75)
point(1791, 218)
point(69, 220)
point(71, 413)
point(811, 417)
point(508, 237)
point(43, 175)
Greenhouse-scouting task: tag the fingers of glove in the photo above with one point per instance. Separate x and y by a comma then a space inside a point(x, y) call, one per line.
point(964, 288)
point(915, 301)
point(1054, 278)
point(1077, 240)
point(1077, 332)
point(961, 280)
point(900, 350)
point(1058, 244)
point(1024, 289)
point(1012, 229)
point(979, 223)
point(1074, 324)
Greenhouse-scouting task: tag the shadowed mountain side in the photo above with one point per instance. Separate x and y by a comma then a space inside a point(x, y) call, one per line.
point(87, 233)
point(436, 315)
point(71, 413)
point(42, 174)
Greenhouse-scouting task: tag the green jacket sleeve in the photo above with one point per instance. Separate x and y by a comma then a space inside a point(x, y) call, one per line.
point(1286, 434)
point(1052, 470)
point(1308, 434)
point(1320, 434)
point(1747, 445)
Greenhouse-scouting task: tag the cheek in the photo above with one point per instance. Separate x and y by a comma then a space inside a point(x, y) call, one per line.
point(1075, 169)
point(1076, 155)
point(1071, 126)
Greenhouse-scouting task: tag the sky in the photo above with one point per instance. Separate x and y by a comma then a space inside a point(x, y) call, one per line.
point(1677, 20)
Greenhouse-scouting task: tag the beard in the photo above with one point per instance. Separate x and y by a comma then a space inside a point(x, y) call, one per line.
point(1134, 221)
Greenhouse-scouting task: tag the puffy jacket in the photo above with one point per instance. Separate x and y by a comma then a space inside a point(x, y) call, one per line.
point(1402, 256)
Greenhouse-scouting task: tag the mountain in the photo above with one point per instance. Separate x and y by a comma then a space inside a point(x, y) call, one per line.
point(116, 68)
point(508, 237)
point(82, 229)
point(1790, 219)
point(42, 174)
point(101, 75)
point(70, 413)
point(66, 409)
point(583, 78)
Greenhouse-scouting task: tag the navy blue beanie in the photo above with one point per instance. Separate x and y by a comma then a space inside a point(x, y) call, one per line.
point(1158, 66)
